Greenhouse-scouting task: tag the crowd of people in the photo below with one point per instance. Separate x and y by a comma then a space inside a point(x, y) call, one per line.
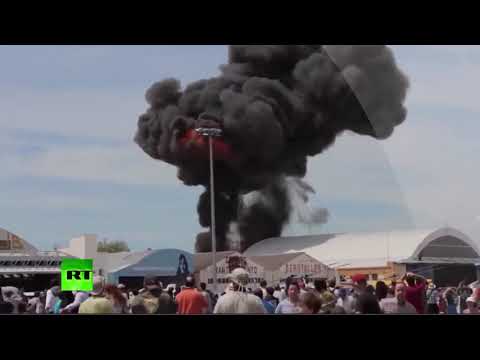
point(412, 294)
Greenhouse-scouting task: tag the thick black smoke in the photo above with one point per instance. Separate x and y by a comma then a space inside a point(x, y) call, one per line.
point(277, 105)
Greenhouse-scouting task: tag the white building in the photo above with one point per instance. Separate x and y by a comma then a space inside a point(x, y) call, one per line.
point(440, 254)
point(274, 269)
point(85, 247)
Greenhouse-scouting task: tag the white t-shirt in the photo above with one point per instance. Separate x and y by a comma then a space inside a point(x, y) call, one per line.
point(235, 302)
point(50, 301)
point(264, 292)
point(37, 304)
point(287, 307)
point(348, 304)
point(391, 306)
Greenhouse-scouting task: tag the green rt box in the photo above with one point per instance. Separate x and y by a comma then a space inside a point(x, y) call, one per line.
point(77, 275)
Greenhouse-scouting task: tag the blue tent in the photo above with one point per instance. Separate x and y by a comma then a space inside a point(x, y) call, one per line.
point(169, 263)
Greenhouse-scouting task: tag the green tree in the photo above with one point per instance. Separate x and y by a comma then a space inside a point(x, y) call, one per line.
point(114, 246)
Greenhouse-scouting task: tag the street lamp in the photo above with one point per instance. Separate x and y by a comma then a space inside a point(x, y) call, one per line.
point(211, 133)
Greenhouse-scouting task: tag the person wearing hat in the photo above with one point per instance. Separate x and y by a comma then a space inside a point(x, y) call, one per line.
point(359, 282)
point(238, 301)
point(472, 306)
point(153, 300)
point(123, 290)
point(97, 303)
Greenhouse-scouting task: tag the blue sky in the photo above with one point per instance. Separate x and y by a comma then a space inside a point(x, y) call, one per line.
point(69, 165)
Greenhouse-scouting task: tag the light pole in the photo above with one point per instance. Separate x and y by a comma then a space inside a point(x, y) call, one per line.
point(211, 133)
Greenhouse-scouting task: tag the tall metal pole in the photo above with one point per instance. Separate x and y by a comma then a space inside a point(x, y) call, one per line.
point(212, 207)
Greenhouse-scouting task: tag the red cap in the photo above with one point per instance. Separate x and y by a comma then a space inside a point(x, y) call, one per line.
point(358, 278)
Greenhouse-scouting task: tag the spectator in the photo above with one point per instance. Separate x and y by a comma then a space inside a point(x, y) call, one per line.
point(364, 302)
point(291, 305)
point(263, 287)
point(301, 285)
point(432, 299)
point(451, 298)
point(326, 297)
point(79, 298)
point(472, 307)
point(97, 303)
point(170, 292)
point(359, 286)
point(279, 293)
point(442, 304)
point(119, 302)
point(64, 298)
point(415, 291)
point(268, 306)
point(52, 296)
point(208, 297)
point(271, 297)
point(345, 301)
point(36, 305)
point(124, 291)
point(310, 303)
point(381, 290)
point(370, 289)
point(332, 285)
point(463, 292)
point(191, 301)
point(237, 300)
point(398, 304)
point(12, 295)
point(367, 304)
point(153, 300)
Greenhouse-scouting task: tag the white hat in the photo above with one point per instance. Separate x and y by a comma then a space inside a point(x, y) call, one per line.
point(240, 276)
point(121, 286)
point(471, 299)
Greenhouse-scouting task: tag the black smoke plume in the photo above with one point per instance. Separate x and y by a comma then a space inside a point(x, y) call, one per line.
point(277, 105)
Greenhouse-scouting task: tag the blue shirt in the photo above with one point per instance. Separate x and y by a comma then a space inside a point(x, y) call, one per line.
point(286, 307)
point(269, 307)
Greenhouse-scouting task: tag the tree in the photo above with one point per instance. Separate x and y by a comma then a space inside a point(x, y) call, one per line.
point(115, 246)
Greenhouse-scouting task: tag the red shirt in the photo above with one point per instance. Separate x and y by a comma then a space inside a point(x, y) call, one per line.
point(190, 302)
point(415, 296)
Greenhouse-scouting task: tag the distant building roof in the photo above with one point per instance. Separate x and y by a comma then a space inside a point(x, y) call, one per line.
point(30, 270)
point(10, 243)
point(117, 261)
point(274, 262)
point(373, 249)
point(204, 260)
point(166, 262)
